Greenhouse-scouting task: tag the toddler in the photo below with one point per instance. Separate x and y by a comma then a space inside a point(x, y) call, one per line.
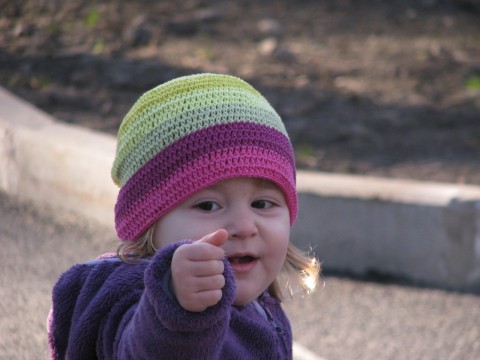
point(207, 197)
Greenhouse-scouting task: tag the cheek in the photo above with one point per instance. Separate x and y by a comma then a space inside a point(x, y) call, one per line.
point(170, 229)
point(279, 249)
point(160, 236)
point(166, 229)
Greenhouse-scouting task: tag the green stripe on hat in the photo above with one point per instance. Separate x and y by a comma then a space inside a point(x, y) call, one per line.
point(160, 118)
point(142, 149)
point(176, 87)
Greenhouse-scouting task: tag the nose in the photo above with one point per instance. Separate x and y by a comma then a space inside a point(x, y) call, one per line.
point(241, 223)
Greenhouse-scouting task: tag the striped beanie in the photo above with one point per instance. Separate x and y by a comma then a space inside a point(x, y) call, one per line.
point(189, 133)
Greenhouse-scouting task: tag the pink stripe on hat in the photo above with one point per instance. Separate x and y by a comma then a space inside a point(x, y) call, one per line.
point(199, 174)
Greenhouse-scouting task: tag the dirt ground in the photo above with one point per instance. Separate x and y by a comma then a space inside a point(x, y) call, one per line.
point(383, 88)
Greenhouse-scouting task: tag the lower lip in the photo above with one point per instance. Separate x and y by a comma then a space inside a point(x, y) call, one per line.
point(243, 268)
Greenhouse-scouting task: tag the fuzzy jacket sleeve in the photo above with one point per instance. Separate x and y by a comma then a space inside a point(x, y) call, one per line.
point(122, 311)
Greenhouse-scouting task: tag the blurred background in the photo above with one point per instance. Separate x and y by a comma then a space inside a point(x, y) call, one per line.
point(384, 88)
point(372, 87)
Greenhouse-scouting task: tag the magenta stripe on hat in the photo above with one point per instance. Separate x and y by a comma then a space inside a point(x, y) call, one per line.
point(195, 145)
point(200, 173)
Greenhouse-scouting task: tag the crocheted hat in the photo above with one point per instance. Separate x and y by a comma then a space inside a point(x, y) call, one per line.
point(189, 133)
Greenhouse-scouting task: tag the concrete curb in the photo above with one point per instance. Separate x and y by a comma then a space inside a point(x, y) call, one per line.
point(427, 232)
point(421, 231)
point(54, 163)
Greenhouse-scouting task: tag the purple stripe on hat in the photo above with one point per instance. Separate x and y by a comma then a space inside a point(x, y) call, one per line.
point(205, 170)
point(195, 145)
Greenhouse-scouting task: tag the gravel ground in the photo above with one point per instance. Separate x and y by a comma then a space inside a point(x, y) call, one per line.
point(356, 320)
point(345, 320)
point(37, 247)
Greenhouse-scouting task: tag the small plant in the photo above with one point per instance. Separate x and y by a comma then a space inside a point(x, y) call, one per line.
point(33, 81)
point(98, 47)
point(305, 155)
point(92, 18)
point(38, 82)
point(473, 83)
point(204, 53)
point(305, 150)
point(53, 27)
point(13, 80)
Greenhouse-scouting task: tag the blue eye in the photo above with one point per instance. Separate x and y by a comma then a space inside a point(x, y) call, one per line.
point(208, 206)
point(262, 204)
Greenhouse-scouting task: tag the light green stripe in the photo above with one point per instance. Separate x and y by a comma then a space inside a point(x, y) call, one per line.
point(161, 111)
point(142, 149)
point(190, 106)
point(180, 86)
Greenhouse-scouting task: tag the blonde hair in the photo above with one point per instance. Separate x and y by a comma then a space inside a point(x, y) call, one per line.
point(299, 273)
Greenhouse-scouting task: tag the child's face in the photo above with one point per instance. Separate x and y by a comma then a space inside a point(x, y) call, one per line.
point(254, 213)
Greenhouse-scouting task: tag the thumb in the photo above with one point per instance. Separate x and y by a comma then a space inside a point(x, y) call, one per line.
point(217, 238)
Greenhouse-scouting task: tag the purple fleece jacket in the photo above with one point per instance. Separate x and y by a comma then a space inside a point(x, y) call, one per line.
point(108, 309)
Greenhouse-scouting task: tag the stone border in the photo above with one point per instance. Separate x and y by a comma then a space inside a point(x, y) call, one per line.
point(428, 233)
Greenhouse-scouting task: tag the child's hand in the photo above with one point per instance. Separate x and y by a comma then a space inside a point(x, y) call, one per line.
point(197, 272)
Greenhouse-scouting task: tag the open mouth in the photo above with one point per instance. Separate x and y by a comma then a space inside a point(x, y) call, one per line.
point(241, 259)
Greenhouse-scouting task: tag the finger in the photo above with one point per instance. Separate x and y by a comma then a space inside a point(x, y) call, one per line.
point(217, 238)
point(187, 287)
point(206, 268)
point(206, 283)
point(199, 252)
